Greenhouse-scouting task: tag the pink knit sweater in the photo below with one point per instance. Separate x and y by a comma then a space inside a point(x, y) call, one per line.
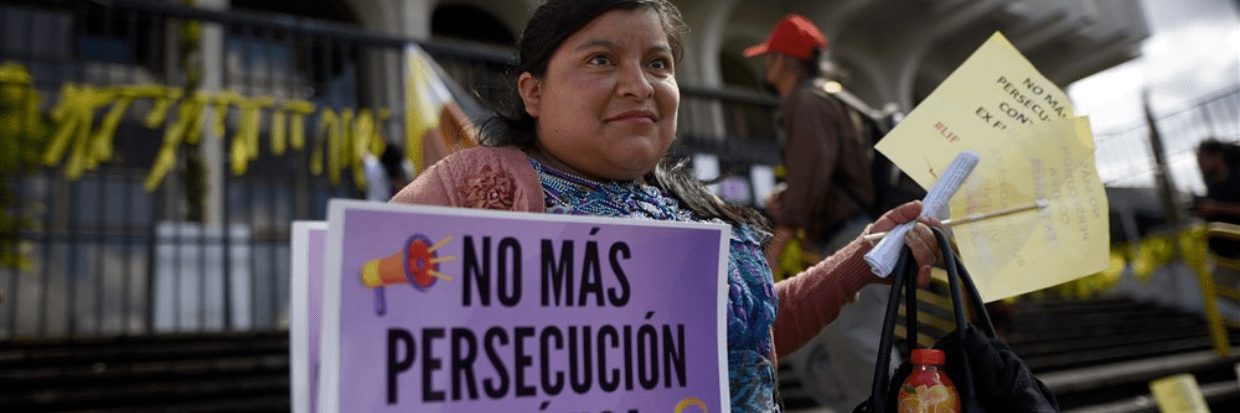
point(503, 179)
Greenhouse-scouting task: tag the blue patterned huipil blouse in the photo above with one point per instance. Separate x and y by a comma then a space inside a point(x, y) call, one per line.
point(751, 296)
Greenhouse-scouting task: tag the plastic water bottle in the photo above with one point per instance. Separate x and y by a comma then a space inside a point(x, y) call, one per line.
point(927, 389)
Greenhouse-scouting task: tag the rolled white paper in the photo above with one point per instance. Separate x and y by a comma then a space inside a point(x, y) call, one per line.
point(882, 258)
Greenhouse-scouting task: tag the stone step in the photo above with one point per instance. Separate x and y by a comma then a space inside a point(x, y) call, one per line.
point(1077, 388)
point(43, 353)
point(184, 373)
point(1064, 338)
point(84, 375)
point(212, 391)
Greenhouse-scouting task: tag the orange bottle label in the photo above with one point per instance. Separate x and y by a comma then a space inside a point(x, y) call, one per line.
point(927, 392)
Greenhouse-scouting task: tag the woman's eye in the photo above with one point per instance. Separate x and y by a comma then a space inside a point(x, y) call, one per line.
point(600, 60)
point(660, 64)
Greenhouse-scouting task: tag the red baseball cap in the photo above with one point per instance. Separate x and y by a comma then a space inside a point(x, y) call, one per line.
point(795, 35)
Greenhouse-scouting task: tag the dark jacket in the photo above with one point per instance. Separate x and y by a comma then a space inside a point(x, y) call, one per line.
point(822, 139)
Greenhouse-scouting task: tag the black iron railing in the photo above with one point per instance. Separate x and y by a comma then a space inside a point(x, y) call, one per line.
point(103, 256)
point(1124, 155)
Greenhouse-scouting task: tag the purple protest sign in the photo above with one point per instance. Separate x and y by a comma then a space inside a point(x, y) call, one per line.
point(306, 312)
point(455, 310)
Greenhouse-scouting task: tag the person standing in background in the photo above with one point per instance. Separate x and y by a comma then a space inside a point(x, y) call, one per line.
point(378, 187)
point(829, 187)
point(825, 153)
point(1220, 169)
point(386, 173)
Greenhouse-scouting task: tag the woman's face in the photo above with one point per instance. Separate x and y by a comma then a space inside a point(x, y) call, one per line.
point(606, 108)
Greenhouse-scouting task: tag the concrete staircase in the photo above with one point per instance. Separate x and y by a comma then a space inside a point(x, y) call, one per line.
point(1099, 355)
point(182, 373)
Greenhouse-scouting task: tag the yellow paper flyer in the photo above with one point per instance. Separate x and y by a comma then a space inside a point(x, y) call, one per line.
point(1033, 148)
point(1179, 393)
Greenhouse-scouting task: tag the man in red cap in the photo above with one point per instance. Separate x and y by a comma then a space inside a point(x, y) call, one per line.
point(825, 153)
point(827, 158)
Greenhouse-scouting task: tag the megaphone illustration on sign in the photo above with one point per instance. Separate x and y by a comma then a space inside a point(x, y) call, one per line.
point(416, 264)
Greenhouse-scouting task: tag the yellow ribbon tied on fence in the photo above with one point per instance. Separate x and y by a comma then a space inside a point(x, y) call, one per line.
point(278, 133)
point(163, 96)
point(72, 135)
point(245, 141)
point(1142, 257)
point(73, 117)
point(185, 129)
point(325, 132)
point(298, 109)
point(22, 130)
point(344, 138)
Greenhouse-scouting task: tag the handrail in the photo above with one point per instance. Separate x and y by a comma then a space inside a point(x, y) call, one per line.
point(1210, 291)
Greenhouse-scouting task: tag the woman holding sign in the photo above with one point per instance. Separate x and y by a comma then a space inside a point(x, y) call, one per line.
point(595, 119)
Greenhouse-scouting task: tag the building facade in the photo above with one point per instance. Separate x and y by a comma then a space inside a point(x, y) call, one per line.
point(893, 51)
point(108, 246)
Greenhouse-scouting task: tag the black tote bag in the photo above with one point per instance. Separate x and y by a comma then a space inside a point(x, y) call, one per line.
point(989, 376)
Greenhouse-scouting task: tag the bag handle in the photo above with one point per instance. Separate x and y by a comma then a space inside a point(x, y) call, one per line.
point(882, 367)
point(904, 283)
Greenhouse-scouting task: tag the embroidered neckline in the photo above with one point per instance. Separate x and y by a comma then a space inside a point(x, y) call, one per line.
point(566, 193)
point(573, 178)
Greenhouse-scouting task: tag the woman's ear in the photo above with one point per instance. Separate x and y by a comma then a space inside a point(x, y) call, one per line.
point(530, 89)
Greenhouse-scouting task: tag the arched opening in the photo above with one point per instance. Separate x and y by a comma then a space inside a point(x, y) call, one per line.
point(469, 23)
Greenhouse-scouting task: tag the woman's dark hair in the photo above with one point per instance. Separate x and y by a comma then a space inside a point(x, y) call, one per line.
point(554, 22)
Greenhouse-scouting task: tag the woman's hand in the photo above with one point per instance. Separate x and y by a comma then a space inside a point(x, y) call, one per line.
point(920, 239)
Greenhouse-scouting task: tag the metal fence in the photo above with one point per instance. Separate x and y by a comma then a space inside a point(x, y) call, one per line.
point(1125, 158)
point(105, 257)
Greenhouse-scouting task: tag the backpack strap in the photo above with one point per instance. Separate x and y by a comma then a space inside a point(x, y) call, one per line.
point(871, 129)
